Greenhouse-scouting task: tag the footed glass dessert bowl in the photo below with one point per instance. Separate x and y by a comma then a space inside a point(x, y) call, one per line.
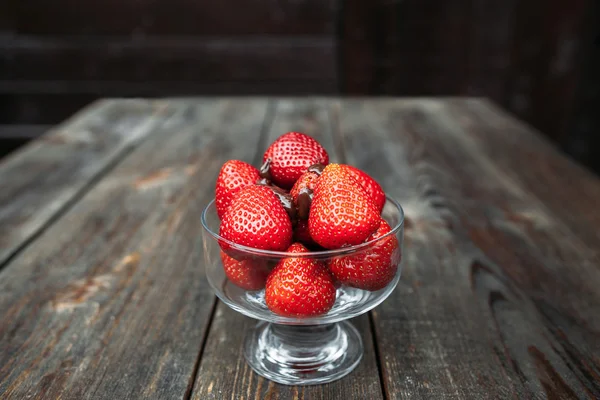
point(311, 349)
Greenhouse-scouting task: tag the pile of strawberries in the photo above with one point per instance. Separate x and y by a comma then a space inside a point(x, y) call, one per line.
point(298, 202)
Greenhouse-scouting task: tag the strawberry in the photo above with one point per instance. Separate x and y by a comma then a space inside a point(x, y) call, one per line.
point(257, 219)
point(374, 267)
point(290, 155)
point(342, 212)
point(302, 192)
point(248, 274)
point(234, 176)
point(369, 184)
point(299, 287)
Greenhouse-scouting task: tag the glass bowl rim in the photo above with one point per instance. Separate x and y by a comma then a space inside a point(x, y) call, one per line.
point(310, 254)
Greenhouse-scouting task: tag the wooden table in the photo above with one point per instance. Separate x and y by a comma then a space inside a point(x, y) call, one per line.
point(103, 293)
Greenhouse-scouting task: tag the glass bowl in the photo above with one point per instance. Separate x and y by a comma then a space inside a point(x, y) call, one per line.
point(300, 350)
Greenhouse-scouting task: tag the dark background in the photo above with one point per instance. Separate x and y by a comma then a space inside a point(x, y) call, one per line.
point(538, 59)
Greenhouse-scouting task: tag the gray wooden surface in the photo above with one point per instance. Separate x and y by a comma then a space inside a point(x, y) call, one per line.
point(51, 173)
point(103, 294)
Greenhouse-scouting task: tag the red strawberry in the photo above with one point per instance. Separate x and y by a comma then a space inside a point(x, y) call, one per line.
point(374, 267)
point(234, 176)
point(291, 154)
point(247, 274)
point(369, 184)
point(257, 219)
point(300, 287)
point(302, 192)
point(301, 233)
point(342, 212)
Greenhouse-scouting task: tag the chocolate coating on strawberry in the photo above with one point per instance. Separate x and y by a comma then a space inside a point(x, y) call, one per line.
point(286, 201)
point(302, 191)
point(305, 195)
point(316, 168)
point(265, 170)
point(284, 197)
point(304, 200)
point(264, 182)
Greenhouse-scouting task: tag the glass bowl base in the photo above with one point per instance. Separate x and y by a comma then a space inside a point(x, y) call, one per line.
point(301, 354)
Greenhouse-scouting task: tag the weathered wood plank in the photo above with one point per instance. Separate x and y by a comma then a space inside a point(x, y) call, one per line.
point(223, 358)
point(496, 300)
point(46, 176)
point(111, 301)
point(568, 190)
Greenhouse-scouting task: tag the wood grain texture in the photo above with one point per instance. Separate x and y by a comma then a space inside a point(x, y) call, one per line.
point(223, 372)
point(111, 301)
point(498, 299)
point(44, 177)
point(568, 190)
